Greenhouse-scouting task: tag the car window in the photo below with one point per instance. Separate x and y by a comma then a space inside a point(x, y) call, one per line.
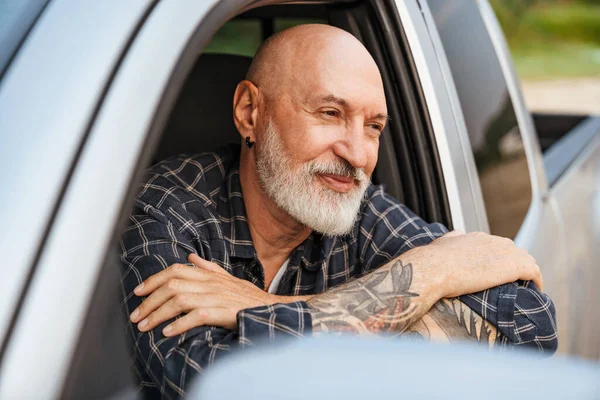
point(16, 18)
point(240, 37)
point(489, 114)
point(244, 36)
point(284, 23)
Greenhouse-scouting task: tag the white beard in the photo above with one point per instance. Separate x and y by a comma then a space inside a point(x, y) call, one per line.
point(297, 192)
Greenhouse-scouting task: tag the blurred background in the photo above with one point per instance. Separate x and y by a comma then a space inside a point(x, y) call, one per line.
point(555, 45)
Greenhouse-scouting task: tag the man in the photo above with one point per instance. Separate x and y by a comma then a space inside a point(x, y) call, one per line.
point(287, 237)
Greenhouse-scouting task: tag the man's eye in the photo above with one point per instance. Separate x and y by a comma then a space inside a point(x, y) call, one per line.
point(331, 113)
point(378, 128)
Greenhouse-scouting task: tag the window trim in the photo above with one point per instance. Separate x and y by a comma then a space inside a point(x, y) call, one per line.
point(409, 161)
point(460, 175)
point(27, 246)
point(562, 154)
point(427, 158)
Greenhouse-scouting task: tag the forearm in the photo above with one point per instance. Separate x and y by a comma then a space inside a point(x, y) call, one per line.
point(387, 300)
point(291, 299)
point(393, 301)
point(449, 321)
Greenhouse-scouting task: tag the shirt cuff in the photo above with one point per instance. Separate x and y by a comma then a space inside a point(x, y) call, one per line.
point(497, 306)
point(274, 322)
point(507, 299)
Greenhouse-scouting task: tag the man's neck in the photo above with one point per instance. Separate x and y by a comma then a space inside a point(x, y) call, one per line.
point(274, 233)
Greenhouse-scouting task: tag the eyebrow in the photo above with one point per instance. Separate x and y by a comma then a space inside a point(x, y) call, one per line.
point(334, 99)
point(383, 116)
point(343, 103)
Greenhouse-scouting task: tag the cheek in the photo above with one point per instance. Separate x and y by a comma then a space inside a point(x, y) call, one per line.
point(306, 141)
point(372, 155)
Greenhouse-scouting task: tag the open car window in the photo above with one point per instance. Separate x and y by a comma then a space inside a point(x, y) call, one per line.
point(181, 120)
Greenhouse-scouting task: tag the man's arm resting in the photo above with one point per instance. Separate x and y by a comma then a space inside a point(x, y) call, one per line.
point(398, 297)
point(150, 245)
point(390, 300)
point(386, 301)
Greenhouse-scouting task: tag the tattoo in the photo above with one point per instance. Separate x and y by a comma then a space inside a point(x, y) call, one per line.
point(382, 302)
point(377, 302)
point(450, 320)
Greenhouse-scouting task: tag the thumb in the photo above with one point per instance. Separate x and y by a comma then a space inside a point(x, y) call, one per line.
point(204, 264)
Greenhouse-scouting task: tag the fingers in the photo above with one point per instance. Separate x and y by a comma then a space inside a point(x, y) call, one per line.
point(178, 304)
point(204, 264)
point(537, 277)
point(532, 270)
point(539, 282)
point(161, 295)
point(213, 316)
point(179, 271)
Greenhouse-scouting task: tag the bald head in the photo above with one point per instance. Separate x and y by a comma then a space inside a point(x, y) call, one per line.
point(314, 104)
point(307, 52)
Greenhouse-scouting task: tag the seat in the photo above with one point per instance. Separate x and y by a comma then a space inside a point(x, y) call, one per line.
point(202, 119)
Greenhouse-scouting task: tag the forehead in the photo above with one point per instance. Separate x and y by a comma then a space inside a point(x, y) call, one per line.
point(347, 94)
point(358, 84)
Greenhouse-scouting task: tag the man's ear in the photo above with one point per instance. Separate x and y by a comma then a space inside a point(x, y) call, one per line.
point(245, 109)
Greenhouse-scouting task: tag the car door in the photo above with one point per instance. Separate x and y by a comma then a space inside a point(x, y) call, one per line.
point(68, 333)
point(522, 198)
point(68, 181)
point(53, 80)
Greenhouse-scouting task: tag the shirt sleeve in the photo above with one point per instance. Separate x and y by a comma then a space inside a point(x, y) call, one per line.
point(523, 315)
point(388, 229)
point(153, 243)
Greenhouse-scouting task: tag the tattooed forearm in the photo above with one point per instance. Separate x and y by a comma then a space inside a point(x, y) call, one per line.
point(378, 302)
point(450, 320)
point(383, 302)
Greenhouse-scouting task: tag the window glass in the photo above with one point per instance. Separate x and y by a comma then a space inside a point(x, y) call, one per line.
point(555, 46)
point(240, 37)
point(284, 23)
point(489, 114)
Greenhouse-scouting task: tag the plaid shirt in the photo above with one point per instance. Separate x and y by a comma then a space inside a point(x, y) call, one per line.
point(195, 204)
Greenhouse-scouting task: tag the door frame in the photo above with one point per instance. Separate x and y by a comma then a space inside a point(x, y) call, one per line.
point(49, 96)
point(458, 164)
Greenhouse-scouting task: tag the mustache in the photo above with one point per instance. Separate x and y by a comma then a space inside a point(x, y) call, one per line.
point(337, 167)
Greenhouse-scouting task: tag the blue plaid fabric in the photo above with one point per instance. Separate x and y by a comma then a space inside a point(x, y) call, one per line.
point(195, 204)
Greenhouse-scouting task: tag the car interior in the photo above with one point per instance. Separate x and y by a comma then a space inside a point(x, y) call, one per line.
point(551, 128)
point(200, 120)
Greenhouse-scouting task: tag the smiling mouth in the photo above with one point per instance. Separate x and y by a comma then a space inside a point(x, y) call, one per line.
point(339, 183)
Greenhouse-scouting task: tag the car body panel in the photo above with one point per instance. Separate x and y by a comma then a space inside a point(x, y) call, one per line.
point(427, 371)
point(572, 249)
point(47, 99)
point(114, 110)
point(576, 198)
point(543, 232)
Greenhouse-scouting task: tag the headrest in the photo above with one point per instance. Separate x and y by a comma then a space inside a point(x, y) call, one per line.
point(202, 119)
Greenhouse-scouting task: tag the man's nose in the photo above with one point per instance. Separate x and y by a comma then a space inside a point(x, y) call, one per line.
point(352, 147)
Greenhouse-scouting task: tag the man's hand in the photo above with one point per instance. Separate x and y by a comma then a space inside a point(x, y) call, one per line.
point(207, 295)
point(473, 262)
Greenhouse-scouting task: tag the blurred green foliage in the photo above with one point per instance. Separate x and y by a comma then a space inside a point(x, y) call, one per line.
point(552, 38)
